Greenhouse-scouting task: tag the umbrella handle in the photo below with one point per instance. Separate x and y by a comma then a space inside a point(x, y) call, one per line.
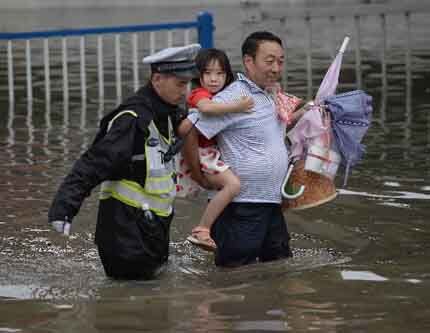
point(344, 44)
point(286, 195)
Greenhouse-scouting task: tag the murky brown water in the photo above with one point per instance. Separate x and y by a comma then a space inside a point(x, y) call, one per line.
point(360, 265)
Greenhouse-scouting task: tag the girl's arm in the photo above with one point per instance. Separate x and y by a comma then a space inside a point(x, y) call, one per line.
point(207, 106)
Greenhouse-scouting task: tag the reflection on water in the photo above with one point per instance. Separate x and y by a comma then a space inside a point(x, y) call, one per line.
point(359, 261)
point(364, 236)
point(395, 195)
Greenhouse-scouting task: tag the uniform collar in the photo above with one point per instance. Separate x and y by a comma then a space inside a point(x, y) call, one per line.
point(148, 90)
point(161, 111)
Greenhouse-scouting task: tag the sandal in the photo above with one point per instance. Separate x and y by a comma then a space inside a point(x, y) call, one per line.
point(200, 236)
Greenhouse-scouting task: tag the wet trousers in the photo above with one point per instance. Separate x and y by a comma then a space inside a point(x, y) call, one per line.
point(130, 245)
point(249, 232)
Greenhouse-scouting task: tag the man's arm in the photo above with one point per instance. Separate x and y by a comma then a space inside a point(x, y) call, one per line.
point(299, 113)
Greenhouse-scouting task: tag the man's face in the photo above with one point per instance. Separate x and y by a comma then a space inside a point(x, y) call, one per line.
point(267, 66)
point(170, 88)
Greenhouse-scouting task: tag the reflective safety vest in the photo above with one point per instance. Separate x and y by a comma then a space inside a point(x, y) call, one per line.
point(160, 190)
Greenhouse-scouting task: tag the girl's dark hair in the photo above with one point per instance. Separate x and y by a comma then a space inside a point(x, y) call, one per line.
point(206, 56)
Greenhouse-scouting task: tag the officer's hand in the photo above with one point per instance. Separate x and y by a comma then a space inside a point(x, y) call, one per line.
point(203, 182)
point(63, 227)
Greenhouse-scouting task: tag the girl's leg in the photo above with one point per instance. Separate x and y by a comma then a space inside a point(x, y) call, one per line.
point(229, 186)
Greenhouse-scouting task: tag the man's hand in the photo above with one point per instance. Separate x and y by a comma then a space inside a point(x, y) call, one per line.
point(300, 112)
point(63, 227)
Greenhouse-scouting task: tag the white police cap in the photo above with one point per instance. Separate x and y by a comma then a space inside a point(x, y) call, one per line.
point(175, 60)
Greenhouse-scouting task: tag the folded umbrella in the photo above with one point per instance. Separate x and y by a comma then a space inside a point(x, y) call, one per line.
point(331, 78)
point(311, 120)
point(350, 118)
point(311, 126)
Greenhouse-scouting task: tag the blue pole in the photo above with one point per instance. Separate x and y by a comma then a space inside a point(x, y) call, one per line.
point(94, 31)
point(205, 29)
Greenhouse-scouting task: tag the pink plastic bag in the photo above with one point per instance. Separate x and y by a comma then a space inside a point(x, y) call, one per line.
point(285, 103)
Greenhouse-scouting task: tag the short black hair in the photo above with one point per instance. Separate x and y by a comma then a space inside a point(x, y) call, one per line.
point(251, 43)
point(206, 56)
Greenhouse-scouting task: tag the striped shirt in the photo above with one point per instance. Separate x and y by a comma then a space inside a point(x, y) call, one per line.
point(252, 144)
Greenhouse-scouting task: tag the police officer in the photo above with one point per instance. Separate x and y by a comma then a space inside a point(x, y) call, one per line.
point(131, 157)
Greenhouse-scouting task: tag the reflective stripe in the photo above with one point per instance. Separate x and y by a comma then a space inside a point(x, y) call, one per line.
point(159, 179)
point(154, 130)
point(132, 194)
point(160, 190)
point(159, 173)
point(160, 185)
point(134, 114)
point(139, 157)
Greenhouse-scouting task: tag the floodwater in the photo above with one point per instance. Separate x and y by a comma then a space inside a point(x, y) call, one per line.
point(360, 262)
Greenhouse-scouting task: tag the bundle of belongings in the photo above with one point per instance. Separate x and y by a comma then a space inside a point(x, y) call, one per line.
point(328, 135)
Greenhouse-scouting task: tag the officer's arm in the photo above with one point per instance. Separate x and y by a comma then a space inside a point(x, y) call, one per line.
point(190, 152)
point(103, 159)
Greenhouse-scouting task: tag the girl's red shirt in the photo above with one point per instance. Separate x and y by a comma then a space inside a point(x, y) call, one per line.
point(195, 96)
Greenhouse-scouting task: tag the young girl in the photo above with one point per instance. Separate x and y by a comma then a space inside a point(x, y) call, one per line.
point(215, 75)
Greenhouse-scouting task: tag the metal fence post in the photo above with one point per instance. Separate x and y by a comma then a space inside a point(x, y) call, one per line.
point(205, 29)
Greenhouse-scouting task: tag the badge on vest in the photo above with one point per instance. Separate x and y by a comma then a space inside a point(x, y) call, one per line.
point(153, 142)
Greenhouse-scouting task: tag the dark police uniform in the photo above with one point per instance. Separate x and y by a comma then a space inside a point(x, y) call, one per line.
point(126, 157)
